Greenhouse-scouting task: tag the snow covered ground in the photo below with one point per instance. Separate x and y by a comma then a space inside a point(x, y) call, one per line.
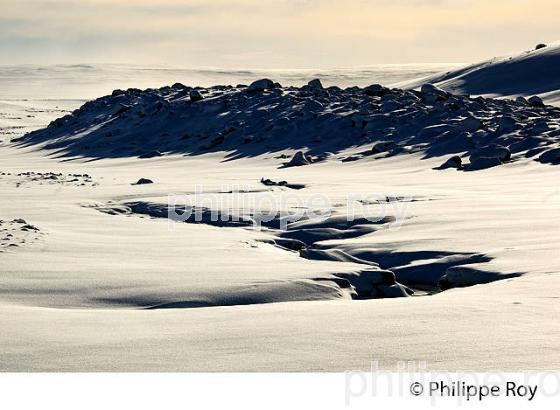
point(94, 276)
point(534, 72)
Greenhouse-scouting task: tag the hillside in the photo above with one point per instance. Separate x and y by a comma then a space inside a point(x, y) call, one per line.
point(535, 72)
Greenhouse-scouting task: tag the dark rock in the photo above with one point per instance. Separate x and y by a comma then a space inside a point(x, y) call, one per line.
point(261, 85)
point(376, 90)
point(291, 244)
point(483, 163)
point(383, 146)
point(499, 152)
point(122, 109)
point(299, 159)
point(269, 182)
point(143, 181)
point(540, 126)
point(431, 93)
point(470, 124)
point(313, 106)
point(29, 227)
point(551, 156)
point(195, 95)
point(536, 101)
point(507, 124)
point(315, 84)
point(453, 162)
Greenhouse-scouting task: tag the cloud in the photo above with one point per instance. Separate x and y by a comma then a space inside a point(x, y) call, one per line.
point(260, 33)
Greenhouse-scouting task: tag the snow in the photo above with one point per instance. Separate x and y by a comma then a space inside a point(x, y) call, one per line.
point(107, 281)
point(527, 74)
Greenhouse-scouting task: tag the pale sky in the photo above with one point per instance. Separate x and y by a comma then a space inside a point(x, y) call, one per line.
point(271, 33)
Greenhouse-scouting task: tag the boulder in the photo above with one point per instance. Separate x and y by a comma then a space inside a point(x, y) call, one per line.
point(453, 162)
point(299, 159)
point(483, 163)
point(552, 156)
point(489, 156)
point(540, 126)
point(143, 181)
point(195, 95)
point(506, 124)
point(315, 84)
point(375, 90)
point(469, 124)
point(261, 85)
point(433, 131)
point(390, 106)
point(268, 182)
point(383, 146)
point(313, 106)
point(499, 152)
point(536, 101)
point(431, 93)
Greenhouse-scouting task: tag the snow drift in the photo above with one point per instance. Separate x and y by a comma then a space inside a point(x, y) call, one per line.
point(532, 72)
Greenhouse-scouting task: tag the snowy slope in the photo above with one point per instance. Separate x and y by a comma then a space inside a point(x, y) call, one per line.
point(535, 72)
point(73, 299)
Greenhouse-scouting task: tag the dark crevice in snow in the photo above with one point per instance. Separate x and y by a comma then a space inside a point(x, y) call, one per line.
point(386, 273)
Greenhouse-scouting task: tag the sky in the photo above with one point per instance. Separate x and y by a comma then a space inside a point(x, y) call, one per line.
point(271, 33)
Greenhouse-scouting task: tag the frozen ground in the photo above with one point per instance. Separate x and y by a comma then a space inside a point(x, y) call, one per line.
point(102, 280)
